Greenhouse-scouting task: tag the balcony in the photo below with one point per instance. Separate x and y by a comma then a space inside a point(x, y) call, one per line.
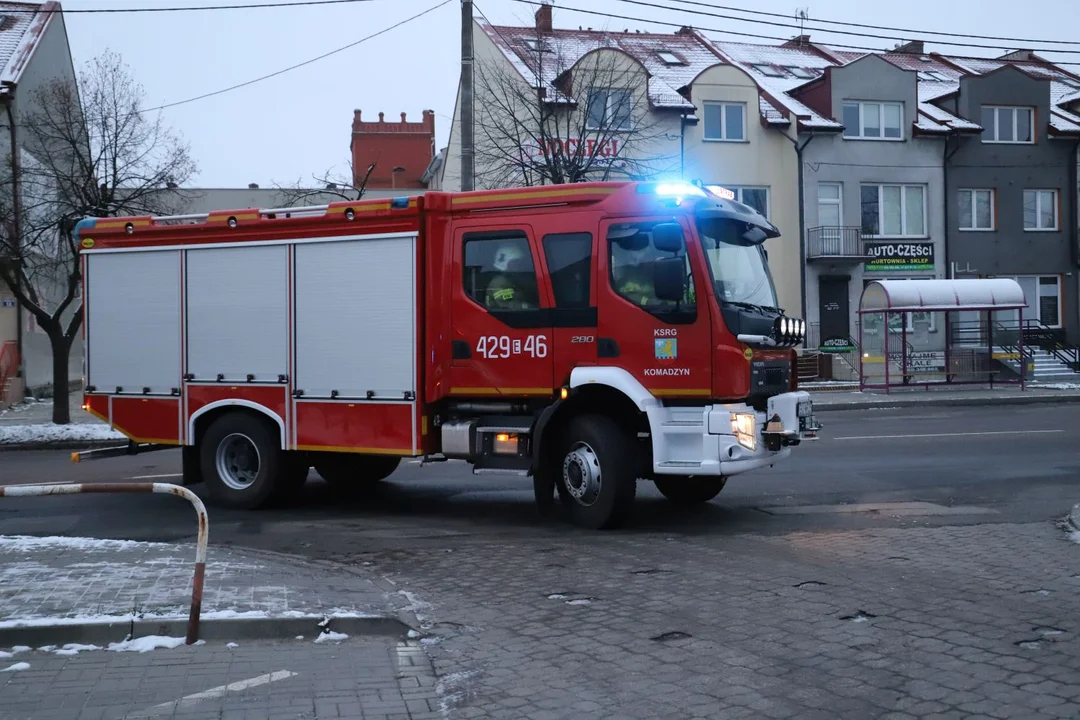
point(844, 244)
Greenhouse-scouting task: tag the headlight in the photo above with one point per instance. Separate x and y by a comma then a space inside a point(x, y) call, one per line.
point(743, 425)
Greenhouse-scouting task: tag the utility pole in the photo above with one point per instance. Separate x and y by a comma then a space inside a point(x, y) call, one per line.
point(468, 147)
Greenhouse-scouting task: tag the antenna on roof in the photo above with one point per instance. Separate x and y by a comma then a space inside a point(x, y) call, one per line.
point(802, 15)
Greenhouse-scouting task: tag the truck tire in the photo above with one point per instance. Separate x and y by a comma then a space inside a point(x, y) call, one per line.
point(690, 490)
point(243, 465)
point(599, 469)
point(348, 472)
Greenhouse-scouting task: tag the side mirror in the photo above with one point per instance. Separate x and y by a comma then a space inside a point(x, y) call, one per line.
point(669, 278)
point(668, 237)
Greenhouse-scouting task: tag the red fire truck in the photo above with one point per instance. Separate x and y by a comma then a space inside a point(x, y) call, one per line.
point(588, 335)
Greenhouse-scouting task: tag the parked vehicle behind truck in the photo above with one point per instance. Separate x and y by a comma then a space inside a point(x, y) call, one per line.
point(588, 335)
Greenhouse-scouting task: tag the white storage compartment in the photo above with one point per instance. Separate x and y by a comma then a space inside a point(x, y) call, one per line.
point(356, 318)
point(133, 321)
point(237, 313)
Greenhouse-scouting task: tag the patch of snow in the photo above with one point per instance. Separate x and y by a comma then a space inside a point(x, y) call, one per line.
point(6, 655)
point(75, 649)
point(556, 596)
point(44, 433)
point(579, 602)
point(29, 543)
point(21, 649)
point(1057, 386)
point(412, 634)
point(430, 641)
point(331, 637)
point(65, 621)
point(146, 644)
point(299, 637)
point(1075, 536)
point(17, 667)
point(231, 645)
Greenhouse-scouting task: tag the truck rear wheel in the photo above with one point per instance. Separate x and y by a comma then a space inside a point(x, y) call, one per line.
point(242, 462)
point(690, 490)
point(599, 472)
point(347, 472)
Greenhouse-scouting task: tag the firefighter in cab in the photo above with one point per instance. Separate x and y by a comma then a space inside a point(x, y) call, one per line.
point(505, 292)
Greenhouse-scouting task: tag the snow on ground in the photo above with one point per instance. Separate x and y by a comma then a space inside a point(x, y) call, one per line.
point(43, 433)
point(17, 667)
point(29, 543)
point(331, 637)
point(1056, 386)
point(146, 644)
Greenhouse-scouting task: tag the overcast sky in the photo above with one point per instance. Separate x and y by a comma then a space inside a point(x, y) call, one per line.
point(297, 124)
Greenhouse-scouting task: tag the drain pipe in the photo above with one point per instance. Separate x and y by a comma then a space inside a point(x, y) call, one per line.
point(7, 97)
point(799, 147)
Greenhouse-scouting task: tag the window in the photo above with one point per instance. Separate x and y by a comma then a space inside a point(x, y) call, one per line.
point(1040, 210)
point(499, 271)
point(799, 72)
point(873, 120)
point(766, 69)
point(725, 121)
point(669, 58)
point(976, 208)
point(609, 110)
point(932, 75)
point(1008, 124)
point(569, 260)
point(631, 255)
point(537, 45)
point(830, 205)
point(894, 210)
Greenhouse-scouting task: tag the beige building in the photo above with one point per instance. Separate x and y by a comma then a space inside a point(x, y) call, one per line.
point(643, 106)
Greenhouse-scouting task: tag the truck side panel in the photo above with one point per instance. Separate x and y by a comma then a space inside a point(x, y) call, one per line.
point(356, 319)
point(237, 303)
point(372, 428)
point(148, 420)
point(133, 322)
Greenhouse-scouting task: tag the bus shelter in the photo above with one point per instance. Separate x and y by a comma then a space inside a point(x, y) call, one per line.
point(969, 358)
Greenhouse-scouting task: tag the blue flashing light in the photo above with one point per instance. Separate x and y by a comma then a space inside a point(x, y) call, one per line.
point(679, 190)
point(85, 224)
point(399, 202)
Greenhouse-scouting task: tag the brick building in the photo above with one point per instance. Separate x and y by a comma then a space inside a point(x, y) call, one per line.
point(401, 151)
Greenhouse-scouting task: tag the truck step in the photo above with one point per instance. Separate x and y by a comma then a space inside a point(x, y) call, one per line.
point(679, 464)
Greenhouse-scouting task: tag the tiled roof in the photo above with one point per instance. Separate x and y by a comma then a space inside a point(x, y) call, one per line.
point(23, 25)
point(777, 71)
point(568, 46)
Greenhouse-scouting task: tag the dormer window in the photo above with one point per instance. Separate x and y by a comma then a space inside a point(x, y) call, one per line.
point(669, 58)
point(537, 45)
point(873, 120)
point(768, 70)
point(801, 72)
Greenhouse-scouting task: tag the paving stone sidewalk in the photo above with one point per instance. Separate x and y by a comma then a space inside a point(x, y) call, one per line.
point(918, 397)
point(46, 580)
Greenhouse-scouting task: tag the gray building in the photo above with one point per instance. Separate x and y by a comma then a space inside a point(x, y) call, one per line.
point(1012, 193)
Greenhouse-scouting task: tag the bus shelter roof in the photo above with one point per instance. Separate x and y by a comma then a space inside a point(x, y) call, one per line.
point(898, 296)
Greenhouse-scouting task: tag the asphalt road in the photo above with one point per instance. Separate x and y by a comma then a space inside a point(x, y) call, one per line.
point(1015, 464)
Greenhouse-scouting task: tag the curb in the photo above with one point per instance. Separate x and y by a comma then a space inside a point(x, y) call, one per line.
point(62, 445)
point(223, 629)
point(886, 403)
point(1073, 520)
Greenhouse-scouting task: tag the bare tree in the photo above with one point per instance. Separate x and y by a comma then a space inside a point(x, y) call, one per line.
point(95, 155)
point(328, 186)
point(572, 119)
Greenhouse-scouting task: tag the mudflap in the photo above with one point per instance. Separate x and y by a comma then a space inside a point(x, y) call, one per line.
point(192, 473)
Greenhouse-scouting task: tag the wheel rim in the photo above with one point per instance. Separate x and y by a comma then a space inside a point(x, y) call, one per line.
point(238, 462)
point(581, 473)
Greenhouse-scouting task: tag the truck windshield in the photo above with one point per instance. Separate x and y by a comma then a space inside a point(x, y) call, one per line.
point(740, 273)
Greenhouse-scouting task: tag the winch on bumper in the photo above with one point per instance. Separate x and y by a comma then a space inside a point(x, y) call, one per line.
point(729, 439)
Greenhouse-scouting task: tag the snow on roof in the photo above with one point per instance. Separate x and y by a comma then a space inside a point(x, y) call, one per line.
point(16, 42)
point(1064, 122)
point(941, 295)
point(776, 70)
point(946, 118)
point(567, 47)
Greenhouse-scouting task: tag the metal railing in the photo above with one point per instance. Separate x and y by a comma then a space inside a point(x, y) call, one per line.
point(834, 242)
point(1052, 340)
point(159, 488)
point(9, 366)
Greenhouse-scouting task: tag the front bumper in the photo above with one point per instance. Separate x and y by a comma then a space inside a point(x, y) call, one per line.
point(729, 439)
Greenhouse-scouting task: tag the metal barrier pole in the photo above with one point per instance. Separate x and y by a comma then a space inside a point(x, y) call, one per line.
point(159, 488)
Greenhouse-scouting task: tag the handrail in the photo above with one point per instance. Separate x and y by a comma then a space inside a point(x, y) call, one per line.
point(159, 488)
point(1052, 341)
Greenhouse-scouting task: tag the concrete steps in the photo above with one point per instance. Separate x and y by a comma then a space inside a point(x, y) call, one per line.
point(1047, 367)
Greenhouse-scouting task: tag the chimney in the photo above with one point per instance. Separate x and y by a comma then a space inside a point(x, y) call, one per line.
point(915, 47)
point(685, 30)
point(1021, 55)
point(253, 186)
point(543, 19)
point(797, 42)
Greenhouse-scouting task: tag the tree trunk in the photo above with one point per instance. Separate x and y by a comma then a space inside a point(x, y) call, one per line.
point(61, 352)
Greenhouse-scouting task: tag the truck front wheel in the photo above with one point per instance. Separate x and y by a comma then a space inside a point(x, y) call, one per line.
point(690, 490)
point(242, 462)
point(599, 472)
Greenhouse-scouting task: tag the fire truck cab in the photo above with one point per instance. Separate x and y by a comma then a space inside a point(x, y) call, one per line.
point(587, 335)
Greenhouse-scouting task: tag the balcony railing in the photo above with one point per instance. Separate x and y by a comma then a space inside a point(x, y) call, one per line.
point(835, 243)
